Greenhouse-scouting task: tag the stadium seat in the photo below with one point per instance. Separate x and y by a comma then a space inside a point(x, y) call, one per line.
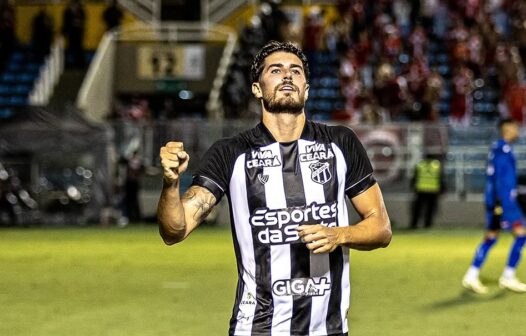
point(6, 113)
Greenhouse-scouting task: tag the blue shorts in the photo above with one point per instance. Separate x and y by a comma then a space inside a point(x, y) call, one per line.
point(494, 221)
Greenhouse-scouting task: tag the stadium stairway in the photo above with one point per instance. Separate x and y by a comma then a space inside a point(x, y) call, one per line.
point(17, 80)
point(67, 87)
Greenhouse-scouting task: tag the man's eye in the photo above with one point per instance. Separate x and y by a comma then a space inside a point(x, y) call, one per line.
point(274, 71)
point(296, 72)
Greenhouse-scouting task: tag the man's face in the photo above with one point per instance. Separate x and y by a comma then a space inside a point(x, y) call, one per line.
point(282, 84)
point(511, 131)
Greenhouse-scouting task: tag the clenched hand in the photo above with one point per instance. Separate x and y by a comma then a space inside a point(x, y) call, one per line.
point(319, 238)
point(174, 161)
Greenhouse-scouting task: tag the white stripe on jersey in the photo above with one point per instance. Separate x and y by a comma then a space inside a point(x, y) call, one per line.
point(241, 215)
point(280, 254)
point(343, 220)
point(319, 263)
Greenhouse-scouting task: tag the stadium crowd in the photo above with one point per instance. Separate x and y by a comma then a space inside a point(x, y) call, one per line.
point(402, 60)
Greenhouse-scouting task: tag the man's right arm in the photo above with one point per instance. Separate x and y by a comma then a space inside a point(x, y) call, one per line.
point(179, 216)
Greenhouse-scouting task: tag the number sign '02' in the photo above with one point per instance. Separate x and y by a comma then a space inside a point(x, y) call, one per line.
point(158, 61)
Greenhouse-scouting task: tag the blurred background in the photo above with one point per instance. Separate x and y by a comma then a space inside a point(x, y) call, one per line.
point(90, 90)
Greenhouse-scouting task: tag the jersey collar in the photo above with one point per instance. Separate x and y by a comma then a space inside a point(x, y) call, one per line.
point(267, 138)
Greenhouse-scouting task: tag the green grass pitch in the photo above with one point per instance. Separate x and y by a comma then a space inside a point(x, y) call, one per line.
point(97, 281)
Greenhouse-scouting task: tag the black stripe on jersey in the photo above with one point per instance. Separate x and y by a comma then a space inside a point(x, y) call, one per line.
point(262, 323)
point(299, 253)
point(334, 319)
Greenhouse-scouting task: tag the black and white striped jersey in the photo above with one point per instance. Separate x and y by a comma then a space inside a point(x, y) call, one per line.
point(273, 187)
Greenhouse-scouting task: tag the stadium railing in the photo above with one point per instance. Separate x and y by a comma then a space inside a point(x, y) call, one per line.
point(146, 10)
point(49, 75)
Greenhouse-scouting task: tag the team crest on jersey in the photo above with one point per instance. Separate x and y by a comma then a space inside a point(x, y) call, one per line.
point(320, 172)
point(262, 158)
point(263, 178)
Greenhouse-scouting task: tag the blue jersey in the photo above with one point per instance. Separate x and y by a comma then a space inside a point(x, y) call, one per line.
point(501, 182)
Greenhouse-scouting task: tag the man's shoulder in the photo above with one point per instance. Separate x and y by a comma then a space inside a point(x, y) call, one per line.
point(333, 133)
point(237, 143)
point(501, 148)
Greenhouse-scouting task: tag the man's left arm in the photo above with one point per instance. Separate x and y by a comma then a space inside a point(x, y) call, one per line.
point(372, 232)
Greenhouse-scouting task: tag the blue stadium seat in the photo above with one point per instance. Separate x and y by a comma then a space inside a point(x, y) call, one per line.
point(8, 77)
point(33, 67)
point(22, 89)
point(6, 112)
point(17, 56)
point(26, 77)
point(18, 100)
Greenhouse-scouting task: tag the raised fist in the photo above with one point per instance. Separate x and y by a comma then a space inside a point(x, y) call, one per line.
point(174, 161)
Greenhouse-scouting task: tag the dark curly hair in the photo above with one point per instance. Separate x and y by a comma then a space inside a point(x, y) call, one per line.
point(272, 47)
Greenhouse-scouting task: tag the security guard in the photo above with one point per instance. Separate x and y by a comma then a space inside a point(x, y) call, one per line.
point(428, 185)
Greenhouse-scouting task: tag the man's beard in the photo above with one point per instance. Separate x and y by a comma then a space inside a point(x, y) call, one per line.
point(285, 104)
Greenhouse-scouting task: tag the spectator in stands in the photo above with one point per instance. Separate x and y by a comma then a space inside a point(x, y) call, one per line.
point(514, 100)
point(427, 12)
point(314, 30)
point(351, 88)
point(389, 91)
point(458, 37)
point(416, 78)
point(499, 16)
point(461, 100)
point(441, 20)
point(392, 43)
point(42, 36)
point(401, 11)
point(418, 41)
point(518, 26)
point(273, 20)
point(434, 86)
point(112, 15)
point(7, 30)
point(74, 20)
point(476, 52)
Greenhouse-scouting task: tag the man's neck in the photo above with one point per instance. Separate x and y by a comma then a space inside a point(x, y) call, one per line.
point(284, 127)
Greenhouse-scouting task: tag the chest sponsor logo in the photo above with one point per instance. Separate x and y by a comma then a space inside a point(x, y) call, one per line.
point(262, 158)
point(320, 172)
point(317, 151)
point(278, 226)
point(301, 287)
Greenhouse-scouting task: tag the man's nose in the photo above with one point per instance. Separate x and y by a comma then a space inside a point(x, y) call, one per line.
point(287, 74)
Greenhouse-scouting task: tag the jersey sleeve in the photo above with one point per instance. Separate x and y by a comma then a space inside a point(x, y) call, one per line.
point(359, 175)
point(214, 170)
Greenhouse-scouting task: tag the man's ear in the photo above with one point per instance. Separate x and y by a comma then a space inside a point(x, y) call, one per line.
point(256, 90)
point(307, 87)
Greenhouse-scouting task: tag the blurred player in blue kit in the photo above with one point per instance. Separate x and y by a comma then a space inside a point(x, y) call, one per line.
point(503, 212)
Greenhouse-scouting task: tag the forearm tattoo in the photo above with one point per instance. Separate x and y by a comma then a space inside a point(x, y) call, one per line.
point(202, 200)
